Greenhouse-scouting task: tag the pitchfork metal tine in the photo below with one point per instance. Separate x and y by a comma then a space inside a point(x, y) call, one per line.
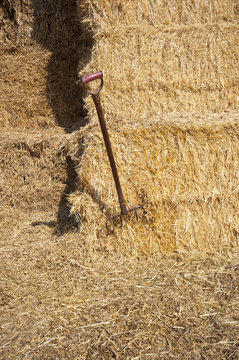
point(96, 98)
point(136, 208)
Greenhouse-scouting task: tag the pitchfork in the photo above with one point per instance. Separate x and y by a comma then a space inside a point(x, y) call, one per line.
point(96, 98)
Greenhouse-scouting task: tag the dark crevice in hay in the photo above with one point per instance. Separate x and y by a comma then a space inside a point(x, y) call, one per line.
point(65, 220)
point(7, 28)
point(8, 10)
point(57, 27)
point(49, 91)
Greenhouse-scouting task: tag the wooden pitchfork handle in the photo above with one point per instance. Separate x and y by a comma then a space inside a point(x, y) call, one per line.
point(96, 98)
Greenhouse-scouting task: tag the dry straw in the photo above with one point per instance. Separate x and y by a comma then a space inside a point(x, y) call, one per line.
point(184, 169)
point(171, 73)
point(23, 85)
point(149, 70)
point(105, 13)
point(41, 45)
point(33, 169)
point(59, 298)
point(164, 56)
point(164, 68)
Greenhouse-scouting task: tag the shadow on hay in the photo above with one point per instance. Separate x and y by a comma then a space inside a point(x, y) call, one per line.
point(57, 27)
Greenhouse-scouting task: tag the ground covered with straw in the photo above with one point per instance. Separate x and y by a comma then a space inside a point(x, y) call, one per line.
point(59, 302)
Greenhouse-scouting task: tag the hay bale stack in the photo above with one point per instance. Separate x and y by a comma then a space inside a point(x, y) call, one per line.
point(38, 90)
point(171, 100)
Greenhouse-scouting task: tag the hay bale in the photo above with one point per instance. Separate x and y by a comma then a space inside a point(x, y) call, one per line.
point(38, 90)
point(54, 24)
point(182, 168)
point(42, 43)
point(23, 99)
point(18, 22)
point(164, 68)
point(104, 14)
point(25, 155)
point(170, 56)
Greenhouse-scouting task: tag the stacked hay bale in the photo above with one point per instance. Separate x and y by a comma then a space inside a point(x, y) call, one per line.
point(33, 168)
point(171, 100)
point(165, 56)
point(41, 44)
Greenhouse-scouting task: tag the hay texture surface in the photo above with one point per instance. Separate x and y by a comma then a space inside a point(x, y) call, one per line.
point(41, 46)
point(165, 56)
point(59, 297)
point(33, 167)
point(59, 302)
point(185, 172)
point(102, 14)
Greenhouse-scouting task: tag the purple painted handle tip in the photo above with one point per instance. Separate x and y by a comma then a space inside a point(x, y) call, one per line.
point(91, 77)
